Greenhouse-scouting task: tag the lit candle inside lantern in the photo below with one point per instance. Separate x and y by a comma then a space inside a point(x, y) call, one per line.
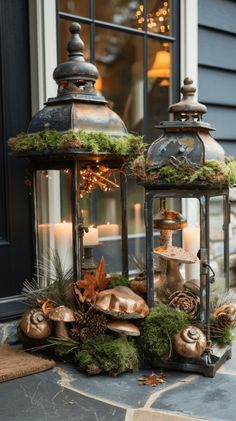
point(91, 237)
point(191, 243)
point(137, 217)
point(108, 230)
point(63, 243)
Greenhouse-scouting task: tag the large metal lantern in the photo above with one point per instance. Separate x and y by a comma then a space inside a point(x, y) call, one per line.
point(62, 176)
point(186, 139)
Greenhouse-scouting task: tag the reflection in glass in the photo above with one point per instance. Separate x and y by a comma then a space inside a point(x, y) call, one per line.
point(74, 7)
point(119, 58)
point(120, 12)
point(159, 74)
point(159, 16)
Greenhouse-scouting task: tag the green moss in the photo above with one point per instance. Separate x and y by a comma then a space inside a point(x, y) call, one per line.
point(106, 354)
point(159, 328)
point(95, 142)
point(117, 280)
point(213, 172)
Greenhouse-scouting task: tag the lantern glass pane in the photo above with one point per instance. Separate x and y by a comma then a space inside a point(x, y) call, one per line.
point(216, 245)
point(53, 216)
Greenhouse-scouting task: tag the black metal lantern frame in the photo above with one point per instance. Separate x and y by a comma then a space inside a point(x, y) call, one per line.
point(77, 107)
point(187, 142)
point(208, 363)
point(75, 161)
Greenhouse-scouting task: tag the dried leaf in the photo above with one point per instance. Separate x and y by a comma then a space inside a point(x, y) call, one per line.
point(153, 379)
point(92, 284)
point(101, 278)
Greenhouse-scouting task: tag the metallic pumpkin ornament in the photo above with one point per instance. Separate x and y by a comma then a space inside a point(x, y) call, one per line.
point(190, 342)
point(34, 324)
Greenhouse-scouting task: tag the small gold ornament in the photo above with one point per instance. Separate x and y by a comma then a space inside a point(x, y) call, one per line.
point(190, 342)
point(34, 324)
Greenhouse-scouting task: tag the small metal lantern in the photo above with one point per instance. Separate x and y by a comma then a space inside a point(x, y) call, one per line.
point(187, 139)
point(77, 106)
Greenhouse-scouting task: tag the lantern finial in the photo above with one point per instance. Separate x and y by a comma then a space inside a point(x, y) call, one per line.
point(188, 108)
point(75, 68)
point(75, 46)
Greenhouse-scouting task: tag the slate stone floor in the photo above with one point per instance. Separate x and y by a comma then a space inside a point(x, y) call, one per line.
point(64, 394)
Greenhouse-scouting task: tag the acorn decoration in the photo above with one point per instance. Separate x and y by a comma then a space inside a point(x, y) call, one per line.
point(190, 342)
point(34, 324)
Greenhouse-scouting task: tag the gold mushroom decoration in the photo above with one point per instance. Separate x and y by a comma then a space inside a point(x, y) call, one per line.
point(121, 302)
point(62, 315)
point(124, 327)
point(173, 281)
point(190, 342)
point(35, 325)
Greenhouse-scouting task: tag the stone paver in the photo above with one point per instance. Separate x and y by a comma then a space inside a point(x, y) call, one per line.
point(66, 394)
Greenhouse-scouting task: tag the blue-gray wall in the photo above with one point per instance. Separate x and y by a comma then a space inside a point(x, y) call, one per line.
point(217, 67)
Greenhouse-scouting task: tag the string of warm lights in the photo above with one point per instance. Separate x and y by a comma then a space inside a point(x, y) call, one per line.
point(97, 177)
point(156, 21)
point(90, 178)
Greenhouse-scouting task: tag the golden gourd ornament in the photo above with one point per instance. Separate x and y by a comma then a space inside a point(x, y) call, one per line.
point(34, 324)
point(190, 342)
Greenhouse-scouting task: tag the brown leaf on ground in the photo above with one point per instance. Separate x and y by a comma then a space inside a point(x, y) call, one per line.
point(153, 379)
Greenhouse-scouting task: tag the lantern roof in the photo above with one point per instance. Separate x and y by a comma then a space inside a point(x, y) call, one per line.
point(77, 105)
point(186, 138)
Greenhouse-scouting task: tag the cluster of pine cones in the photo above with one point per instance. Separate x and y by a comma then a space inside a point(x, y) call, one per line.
point(88, 325)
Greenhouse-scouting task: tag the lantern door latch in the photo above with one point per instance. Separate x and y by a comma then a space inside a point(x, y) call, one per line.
point(212, 275)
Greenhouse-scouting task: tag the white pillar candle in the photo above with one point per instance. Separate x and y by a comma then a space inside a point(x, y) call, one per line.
point(137, 217)
point(108, 230)
point(191, 243)
point(63, 243)
point(91, 237)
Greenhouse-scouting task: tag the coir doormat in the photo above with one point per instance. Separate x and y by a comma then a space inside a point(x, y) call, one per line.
point(15, 363)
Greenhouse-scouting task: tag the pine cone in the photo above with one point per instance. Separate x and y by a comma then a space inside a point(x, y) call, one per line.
point(186, 301)
point(88, 324)
point(85, 334)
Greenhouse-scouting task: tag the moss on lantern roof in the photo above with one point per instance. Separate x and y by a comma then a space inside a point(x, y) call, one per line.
point(95, 142)
point(212, 172)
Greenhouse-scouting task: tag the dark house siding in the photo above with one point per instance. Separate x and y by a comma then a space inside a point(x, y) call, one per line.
point(15, 114)
point(217, 68)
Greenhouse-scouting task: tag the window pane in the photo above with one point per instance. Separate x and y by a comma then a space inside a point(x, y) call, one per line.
point(74, 7)
point(159, 75)
point(120, 12)
point(119, 58)
point(65, 36)
point(159, 16)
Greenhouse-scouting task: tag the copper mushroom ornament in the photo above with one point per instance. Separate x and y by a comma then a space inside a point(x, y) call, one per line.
point(121, 302)
point(61, 315)
point(173, 281)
